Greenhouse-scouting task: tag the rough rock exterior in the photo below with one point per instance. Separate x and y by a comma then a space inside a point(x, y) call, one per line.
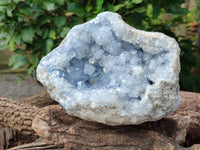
point(109, 72)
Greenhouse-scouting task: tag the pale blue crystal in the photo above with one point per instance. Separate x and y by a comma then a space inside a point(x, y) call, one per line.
point(100, 66)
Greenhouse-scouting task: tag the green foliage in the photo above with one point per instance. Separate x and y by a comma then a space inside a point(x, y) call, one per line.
point(18, 61)
point(198, 8)
point(38, 26)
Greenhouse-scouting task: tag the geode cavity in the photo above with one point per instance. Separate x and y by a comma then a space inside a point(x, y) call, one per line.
point(108, 72)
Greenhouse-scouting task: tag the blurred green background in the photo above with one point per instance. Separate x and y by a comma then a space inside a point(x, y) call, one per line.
point(30, 29)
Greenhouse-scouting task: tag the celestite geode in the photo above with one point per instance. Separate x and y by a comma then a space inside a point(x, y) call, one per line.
point(108, 72)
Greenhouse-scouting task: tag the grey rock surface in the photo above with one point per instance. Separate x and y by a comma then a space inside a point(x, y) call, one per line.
point(108, 72)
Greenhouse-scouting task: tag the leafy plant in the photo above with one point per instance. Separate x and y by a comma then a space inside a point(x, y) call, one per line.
point(32, 28)
point(190, 75)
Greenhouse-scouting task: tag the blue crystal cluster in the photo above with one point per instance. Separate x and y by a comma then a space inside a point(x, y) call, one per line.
point(94, 64)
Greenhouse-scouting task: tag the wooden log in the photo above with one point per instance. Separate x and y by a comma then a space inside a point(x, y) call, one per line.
point(39, 144)
point(17, 116)
point(54, 125)
point(40, 100)
point(6, 137)
point(187, 118)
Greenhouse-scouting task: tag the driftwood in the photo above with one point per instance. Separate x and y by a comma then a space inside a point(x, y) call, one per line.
point(55, 126)
point(39, 144)
point(187, 118)
point(40, 100)
point(6, 135)
point(16, 119)
point(17, 115)
point(58, 129)
point(10, 138)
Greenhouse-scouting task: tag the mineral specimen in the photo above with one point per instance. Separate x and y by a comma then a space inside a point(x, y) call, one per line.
point(108, 72)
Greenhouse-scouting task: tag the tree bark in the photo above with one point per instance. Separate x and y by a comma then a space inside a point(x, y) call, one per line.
point(39, 144)
point(17, 116)
point(56, 127)
point(76, 133)
point(40, 100)
point(16, 119)
point(6, 137)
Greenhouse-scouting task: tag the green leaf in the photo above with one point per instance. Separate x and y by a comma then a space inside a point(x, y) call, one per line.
point(156, 12)
point(99, 5)
point(119, 6)
point(12, 42)
point(21, 78)
point(18, 50)
point(3, 35)
point(3, 45)
point(137, 1)
point(48, 46)
point(59, 21)
point(35, 60)
point(64, 32)
point(18, 40)
point(19, 64)
point(137, 21)
point(17, 61)
point(6, 37)
point(38, 31)
point(60, 2)
point(2, 17)
point(140, 9)
point(37, 45)
point(43, 19)
point(17, 1)
point(38, 11)
point(27, 35)
point(110, 7)
point(30, 69)
point(45, 33)
point(12, 60)
point(26, 10)
point(88, 8)
point(181, 12)
point(21, 19)
point(9, 10)
point(47, 5)
point(2, 8)
point(77, 8)
point(4, 2)
point(52, 34)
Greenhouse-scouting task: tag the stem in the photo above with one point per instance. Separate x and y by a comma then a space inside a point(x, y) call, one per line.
point(113, 2)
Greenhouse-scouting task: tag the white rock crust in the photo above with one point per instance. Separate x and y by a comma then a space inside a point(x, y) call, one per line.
point(108, 72)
